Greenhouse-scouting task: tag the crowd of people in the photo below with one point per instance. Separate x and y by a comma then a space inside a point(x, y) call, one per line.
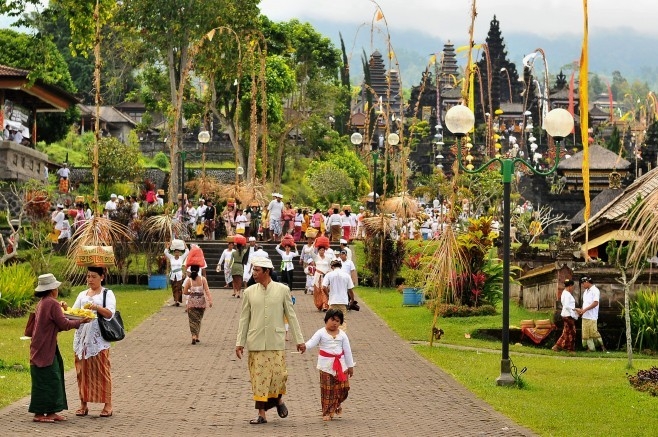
point(267, 314)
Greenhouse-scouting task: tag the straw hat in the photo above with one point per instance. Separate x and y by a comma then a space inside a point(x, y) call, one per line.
point(47, 282)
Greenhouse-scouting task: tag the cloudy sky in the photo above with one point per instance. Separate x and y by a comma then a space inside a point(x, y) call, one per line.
point(449, 19)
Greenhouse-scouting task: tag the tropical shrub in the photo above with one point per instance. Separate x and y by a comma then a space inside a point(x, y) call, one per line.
point(391, 261)
point(644, 319)
point(161, 160)
point(17, 283)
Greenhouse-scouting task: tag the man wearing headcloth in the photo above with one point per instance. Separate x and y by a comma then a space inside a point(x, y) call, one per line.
point(262, 331)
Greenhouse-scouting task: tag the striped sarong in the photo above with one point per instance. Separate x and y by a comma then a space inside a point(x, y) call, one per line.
point(94, 378)
point(332, 393)
point(195, 315)
point(268, 374)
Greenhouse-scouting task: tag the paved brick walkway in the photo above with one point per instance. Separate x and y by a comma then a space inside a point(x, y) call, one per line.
point(164, 386)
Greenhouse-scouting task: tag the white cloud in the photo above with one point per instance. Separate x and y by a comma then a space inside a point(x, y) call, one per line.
point(451, 19)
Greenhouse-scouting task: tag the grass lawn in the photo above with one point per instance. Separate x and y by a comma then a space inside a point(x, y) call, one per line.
point(558, 390)
point(135, 303)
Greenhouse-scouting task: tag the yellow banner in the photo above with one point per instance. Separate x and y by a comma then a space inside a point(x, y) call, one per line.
point(584, 114)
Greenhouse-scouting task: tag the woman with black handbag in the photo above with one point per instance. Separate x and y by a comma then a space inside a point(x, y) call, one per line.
point(92, 351)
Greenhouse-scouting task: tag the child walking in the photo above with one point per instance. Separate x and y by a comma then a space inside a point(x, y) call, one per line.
point(335, 363)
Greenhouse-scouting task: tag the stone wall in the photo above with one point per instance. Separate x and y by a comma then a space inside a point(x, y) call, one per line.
point(20, 163)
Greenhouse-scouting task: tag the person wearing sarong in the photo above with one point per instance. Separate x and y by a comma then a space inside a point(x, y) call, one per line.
point(322, 264)
point(567, 340)
point(308, 251)
point(92, 351)
point(335, 363)
point(196, 288)
point(335, 225)
point(64, 174)
point(48, 395)
point(262, 331)
point(176, 262)
point(237, 268)
point(209, 223)
point(224, 264)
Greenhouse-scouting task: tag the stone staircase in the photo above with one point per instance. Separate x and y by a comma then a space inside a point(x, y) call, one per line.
point(212, 250)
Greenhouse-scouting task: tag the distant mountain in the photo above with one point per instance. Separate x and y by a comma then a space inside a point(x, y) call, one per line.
point(624, 50)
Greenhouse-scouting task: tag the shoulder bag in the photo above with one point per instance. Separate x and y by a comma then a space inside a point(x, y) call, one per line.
point(111, 330)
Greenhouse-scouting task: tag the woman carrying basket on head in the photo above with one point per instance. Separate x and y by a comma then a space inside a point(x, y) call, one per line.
point(199, 298)
point(92, 351)
point(176, 274)
point(322, 263)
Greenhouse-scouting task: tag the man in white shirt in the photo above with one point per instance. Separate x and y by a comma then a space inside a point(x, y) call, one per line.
point(276, 209)
point(64, 172)
point(59, 217)
point(247, 267)
point(348, 267)
point(339, 286)
point(111, 204)
point(590, 315)
point(18, 137)
point(201, 211)
point(343, 246)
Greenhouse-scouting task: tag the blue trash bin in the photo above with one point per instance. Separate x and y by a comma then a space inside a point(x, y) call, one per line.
point(412, 296)
point(157, 282)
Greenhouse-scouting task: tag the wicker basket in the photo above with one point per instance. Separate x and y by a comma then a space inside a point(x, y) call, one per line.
point(95, 256)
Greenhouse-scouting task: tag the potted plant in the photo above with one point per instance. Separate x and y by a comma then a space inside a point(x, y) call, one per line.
point(415, 279)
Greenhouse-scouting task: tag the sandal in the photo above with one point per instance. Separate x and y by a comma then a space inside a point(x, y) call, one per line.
point(58, 418)
point(82, 411)
point(258, 420)
point(106, 413)
point(43, 419)
point(282, 410)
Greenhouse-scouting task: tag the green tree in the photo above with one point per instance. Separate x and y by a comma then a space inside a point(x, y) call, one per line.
point(118, 162)
point(173, 32)
point(330, 182)
point(347, 159)
point(596, 86)
point(614, 142)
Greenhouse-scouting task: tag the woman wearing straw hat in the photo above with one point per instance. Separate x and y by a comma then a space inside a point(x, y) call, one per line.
point(48, 395)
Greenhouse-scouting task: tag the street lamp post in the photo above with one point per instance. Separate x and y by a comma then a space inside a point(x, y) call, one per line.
point(558, 124)
point(203, 137)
